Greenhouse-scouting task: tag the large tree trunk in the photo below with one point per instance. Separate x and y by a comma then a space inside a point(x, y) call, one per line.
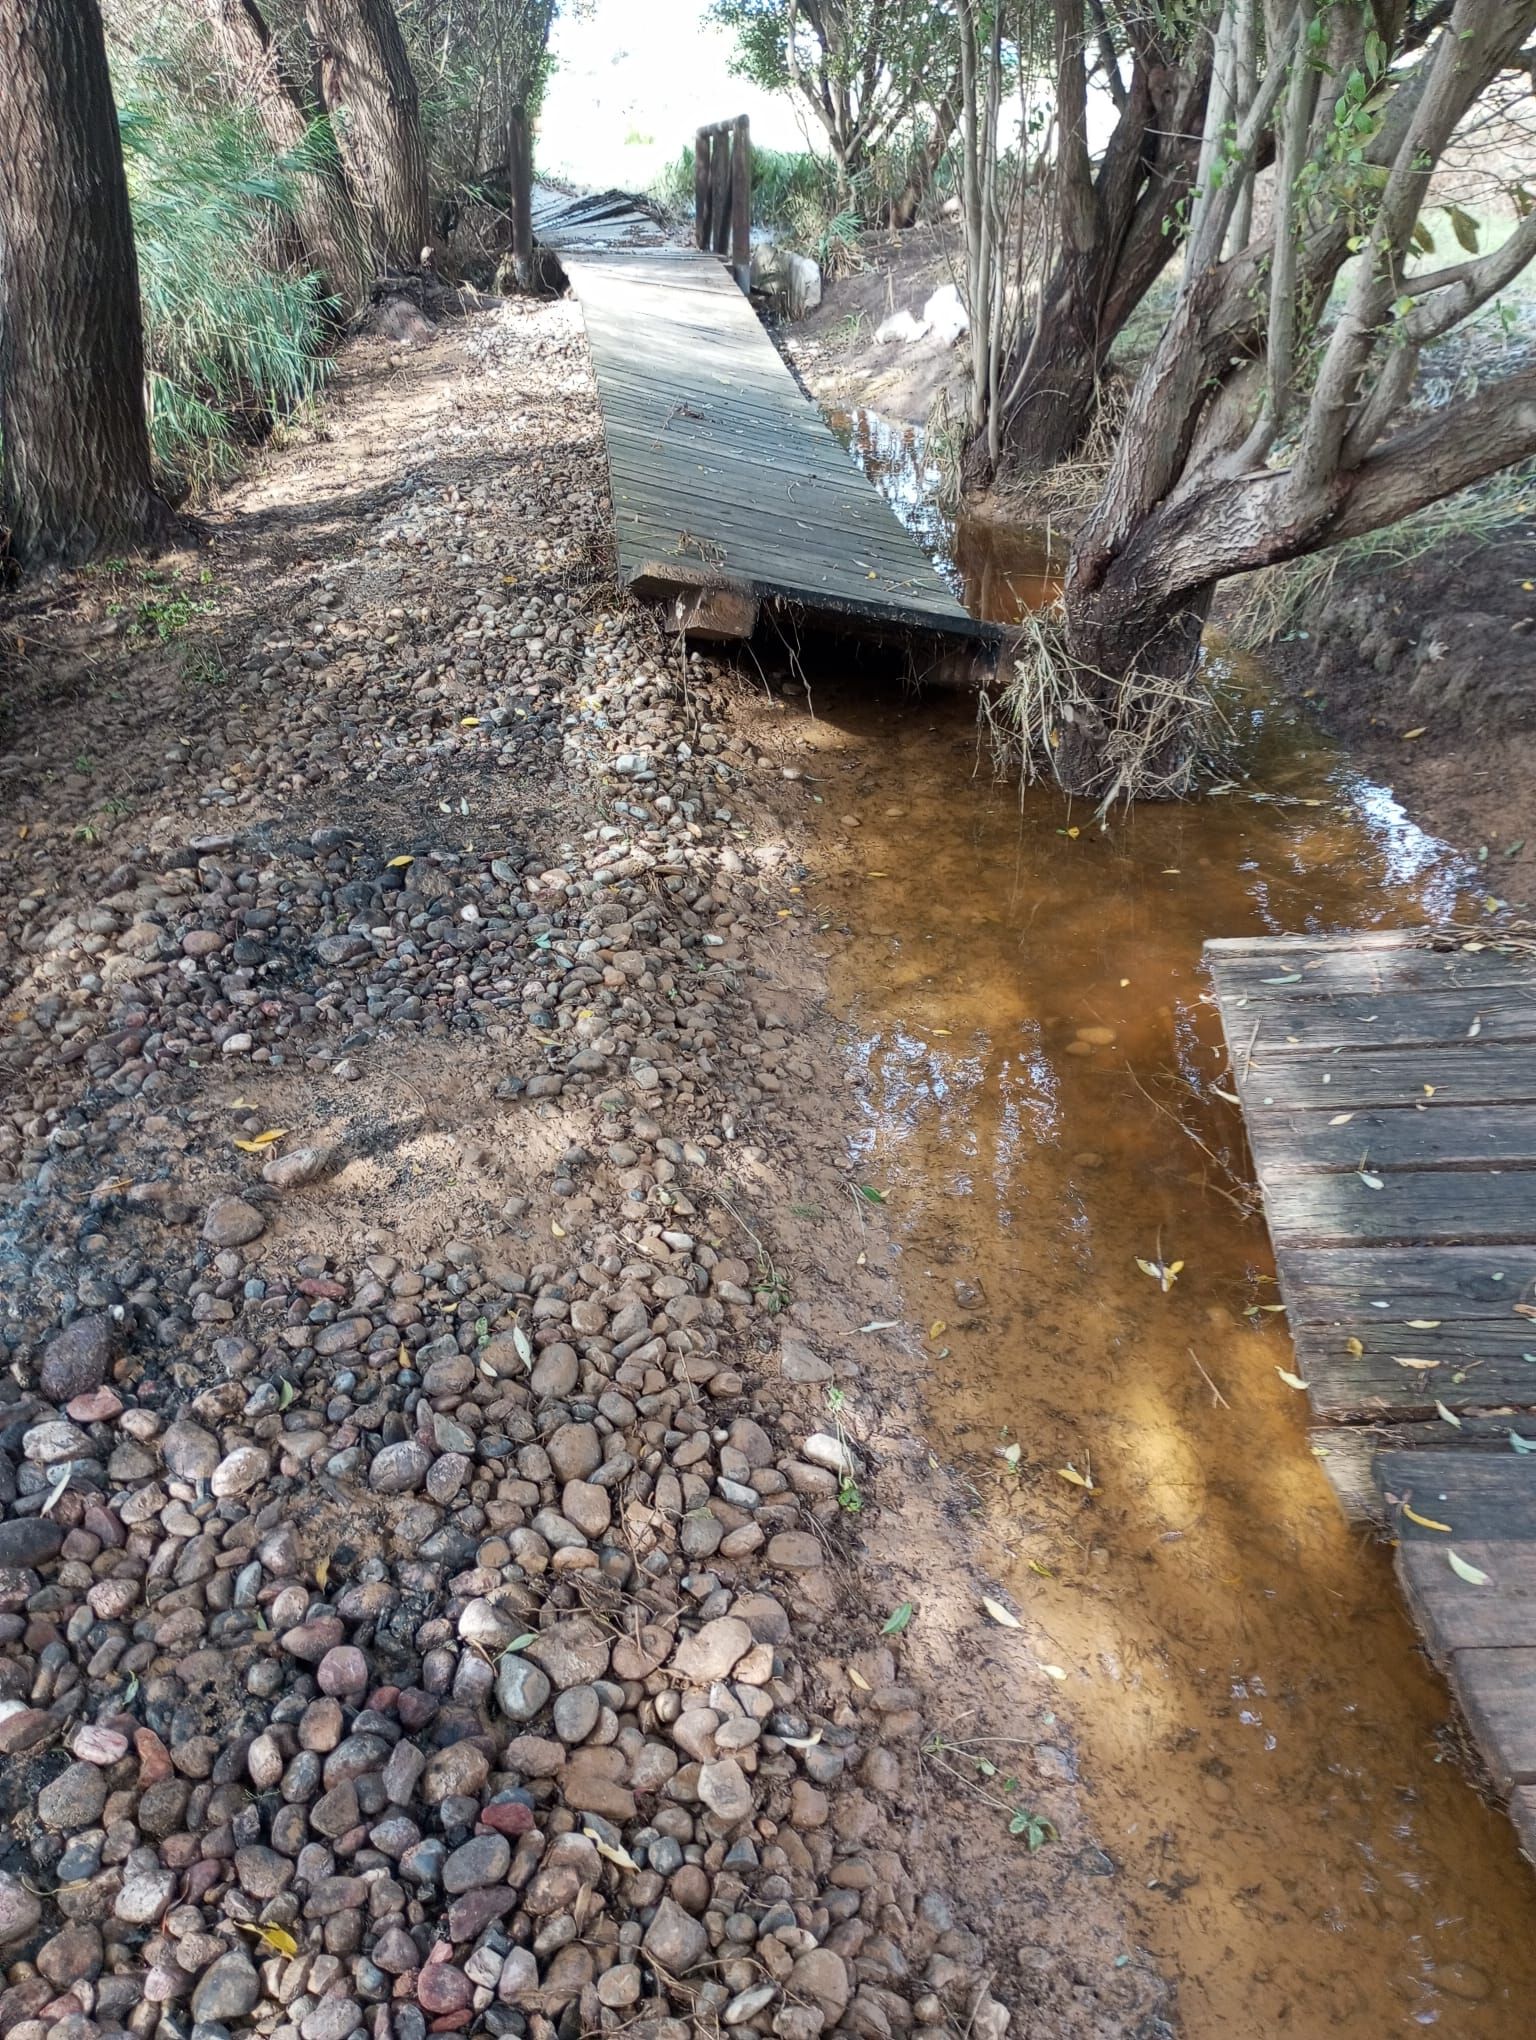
point(370, 93)
point(73, 440)
point(1136, 728)
point(326, 216)
point(1114, 234)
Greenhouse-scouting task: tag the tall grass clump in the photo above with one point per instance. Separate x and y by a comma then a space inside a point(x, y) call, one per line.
point(235, 330)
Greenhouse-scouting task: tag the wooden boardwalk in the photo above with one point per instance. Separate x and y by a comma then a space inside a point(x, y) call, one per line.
point(1389, 1091)
point(725, 477)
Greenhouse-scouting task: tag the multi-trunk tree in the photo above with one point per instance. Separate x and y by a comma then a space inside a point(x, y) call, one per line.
point(369, 90)
point(74, 447)
point(325, 213)
point(1276, 415)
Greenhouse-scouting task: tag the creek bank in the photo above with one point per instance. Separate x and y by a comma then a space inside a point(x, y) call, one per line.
point(430, 1599)
point(1423, 670)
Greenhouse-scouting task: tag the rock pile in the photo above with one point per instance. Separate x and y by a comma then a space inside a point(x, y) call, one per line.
point(395, 1644)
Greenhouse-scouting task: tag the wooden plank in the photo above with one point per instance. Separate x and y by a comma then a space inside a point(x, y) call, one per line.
point(741, 203)
point(1487, 1497)
point(1484, 1635)
point(1259, 974)
point(1347, 1453)
point(1442, 1207)
point(1346, 1285)
point(1363, 1022)
point(717, 460)
point(1406, 1251)
point(1353, 1388)
point(1423, 1135)
point(1477, 1072)
point(1497, 1692)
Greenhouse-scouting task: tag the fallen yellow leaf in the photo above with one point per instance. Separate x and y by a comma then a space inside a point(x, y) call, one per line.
point(1425, 1522)
point(859, 1680)
point(1000, 1614)
point(609, 1853)
point(399, 863)
point(1409, 735)
point(258, 1141)
point(1082, 1480)
point(277, 1938)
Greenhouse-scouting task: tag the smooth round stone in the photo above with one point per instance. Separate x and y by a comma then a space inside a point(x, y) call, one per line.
point(576, 1713)
point(521, 1688)
point(484, 1860)
point(343, 1669)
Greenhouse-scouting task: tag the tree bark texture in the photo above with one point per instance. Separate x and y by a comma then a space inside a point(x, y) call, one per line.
point(370, 93)
point(73, 439)
point(1113, 238)
point(327, 219)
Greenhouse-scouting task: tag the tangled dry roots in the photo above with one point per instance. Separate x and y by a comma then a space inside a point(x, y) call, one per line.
point(1139, 737)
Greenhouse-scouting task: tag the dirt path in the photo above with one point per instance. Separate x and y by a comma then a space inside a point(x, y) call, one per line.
point(454, 1531)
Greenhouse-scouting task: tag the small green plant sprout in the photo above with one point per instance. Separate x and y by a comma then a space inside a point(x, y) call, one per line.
point(771, 1286)
point(971, 1767)
point(849, 1496)
point(1034, 1827)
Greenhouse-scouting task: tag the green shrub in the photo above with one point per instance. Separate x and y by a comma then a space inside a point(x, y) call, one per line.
point(234, 333)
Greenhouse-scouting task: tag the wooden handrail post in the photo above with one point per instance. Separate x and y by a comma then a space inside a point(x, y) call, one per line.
point(703, 143)
point(741, 203)
point(520, 183)
point(720, 193)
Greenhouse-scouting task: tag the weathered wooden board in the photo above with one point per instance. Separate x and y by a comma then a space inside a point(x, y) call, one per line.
point(1344, 1285)
point(1440, 1207)
point(1389, 1094)
point(1443, 1017)
point(1316, 970)
point(720, 466)
point(1483, 1633)
point(1386, 1137)
point(1478, 1072)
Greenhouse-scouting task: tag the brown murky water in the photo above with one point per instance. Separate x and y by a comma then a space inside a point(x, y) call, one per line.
point(1266, 1750)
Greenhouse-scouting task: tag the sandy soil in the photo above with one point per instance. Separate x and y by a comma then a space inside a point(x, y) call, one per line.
point(835, 350)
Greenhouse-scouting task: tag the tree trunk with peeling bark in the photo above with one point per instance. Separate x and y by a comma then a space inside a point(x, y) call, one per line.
point(74, 443)
point(325, 214)
point(370, 93)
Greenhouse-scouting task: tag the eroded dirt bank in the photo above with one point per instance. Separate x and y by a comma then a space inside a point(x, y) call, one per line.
point(455, 1532)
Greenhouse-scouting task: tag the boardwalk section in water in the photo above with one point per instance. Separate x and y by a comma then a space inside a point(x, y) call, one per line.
point(1388, 1085)
point(725, 478)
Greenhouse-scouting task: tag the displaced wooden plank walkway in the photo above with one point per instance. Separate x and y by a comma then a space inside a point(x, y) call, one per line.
point(725, 477)
point(1389, 1091)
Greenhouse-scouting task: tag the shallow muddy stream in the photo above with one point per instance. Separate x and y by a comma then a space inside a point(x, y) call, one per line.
point(1267, 1754)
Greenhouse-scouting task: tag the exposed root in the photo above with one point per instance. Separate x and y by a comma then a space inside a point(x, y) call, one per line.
point(1140, 737)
